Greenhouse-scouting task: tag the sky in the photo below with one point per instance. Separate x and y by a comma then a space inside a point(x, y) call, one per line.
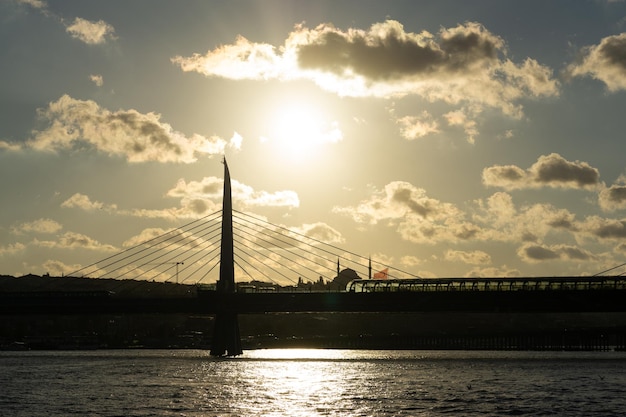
point(444, 138)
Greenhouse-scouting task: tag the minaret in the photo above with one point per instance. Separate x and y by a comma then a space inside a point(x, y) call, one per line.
point(226, 339)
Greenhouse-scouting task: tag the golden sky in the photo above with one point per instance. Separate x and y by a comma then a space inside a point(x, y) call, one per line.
point(438, 137)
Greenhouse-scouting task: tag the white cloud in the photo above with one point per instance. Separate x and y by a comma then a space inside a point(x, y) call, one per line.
point(97, 79)
point(11, 147)
point(461, 118)
point(12, 249)
point(416, 217)
point(465, 63)
point(38, 226)
point(58, 268)
point(475, 257)
point(244, 195)
point(72, 240)
point(416, 127)
point(83, 202)
point(139, 137)
point(36, 4)
point(91, 33)
point(502, 271)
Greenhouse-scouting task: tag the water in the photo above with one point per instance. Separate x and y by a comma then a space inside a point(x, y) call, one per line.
point(281, 382)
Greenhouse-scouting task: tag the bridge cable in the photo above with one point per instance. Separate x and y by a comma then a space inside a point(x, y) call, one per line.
point(145, 242)
point(295, 261)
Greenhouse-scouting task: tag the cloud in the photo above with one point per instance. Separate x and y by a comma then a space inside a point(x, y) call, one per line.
point(605, 62)
point(603, 228)
point(139, 137)
point(71, 240)
point(83, 202)
point(246, 196)
point(416, 127)
point(11, 147)
point(12, 249)
point(465, 63)
point(190, 208)
point(38, 226)
point(55, 267)
point(549, 171)
point(91, 33)
point(476, 257)
point(503, 221)
point(97, 79)
point(502, 271)
point(36, 4)
point(321, 232)
point(410, 261)
point(614, 197)
point(197, 198)
point(461, 118)
point(537, 253)
point(170, 239)
point(416, 217)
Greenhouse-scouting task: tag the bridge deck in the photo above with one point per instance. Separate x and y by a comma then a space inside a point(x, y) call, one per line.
point(210, 302)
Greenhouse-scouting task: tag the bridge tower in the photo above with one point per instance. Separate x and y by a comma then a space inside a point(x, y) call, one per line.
point(226, 339)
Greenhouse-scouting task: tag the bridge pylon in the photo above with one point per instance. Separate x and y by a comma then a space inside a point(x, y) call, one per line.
point(226, 339)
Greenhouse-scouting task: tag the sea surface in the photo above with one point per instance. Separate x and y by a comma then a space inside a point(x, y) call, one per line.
point(309, 382)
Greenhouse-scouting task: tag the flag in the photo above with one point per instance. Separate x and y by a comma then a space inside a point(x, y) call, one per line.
point(382, 274)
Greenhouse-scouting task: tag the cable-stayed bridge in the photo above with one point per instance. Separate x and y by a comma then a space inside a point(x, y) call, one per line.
point(294, 273)
point(264, 252)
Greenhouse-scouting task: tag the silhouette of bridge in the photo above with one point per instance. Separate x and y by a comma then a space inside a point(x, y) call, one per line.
point(190, 254)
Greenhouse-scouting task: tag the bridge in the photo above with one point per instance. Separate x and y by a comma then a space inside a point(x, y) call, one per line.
point(397, 291)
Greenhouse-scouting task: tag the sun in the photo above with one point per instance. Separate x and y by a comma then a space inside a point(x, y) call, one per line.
point(299, 129)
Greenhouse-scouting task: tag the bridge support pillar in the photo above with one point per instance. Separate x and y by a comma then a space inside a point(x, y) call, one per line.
point(226, 339)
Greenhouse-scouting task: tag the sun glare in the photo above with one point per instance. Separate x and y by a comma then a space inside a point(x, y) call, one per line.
point(298, 130)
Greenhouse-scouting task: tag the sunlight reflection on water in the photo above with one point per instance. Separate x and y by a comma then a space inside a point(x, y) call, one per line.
point(302, 354)
point(312, 382)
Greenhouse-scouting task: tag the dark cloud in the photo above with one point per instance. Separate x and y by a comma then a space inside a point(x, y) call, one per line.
point(539, 253)
point(554, 169)
point(405, 197)
point(467, 231)
point(617, 193)
point(613, 49)
point(605, 62)
point(611, 229)
point(561, 219)
point(575, 253)
point(613, 197)
point(550, 170)
point(198, 206)
point(388, 52)
point(321, 232)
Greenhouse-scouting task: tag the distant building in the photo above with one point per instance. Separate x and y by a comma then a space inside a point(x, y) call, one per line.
point(340, 281)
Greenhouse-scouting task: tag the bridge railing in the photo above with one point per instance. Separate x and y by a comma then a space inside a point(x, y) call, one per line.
point(488, 284)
